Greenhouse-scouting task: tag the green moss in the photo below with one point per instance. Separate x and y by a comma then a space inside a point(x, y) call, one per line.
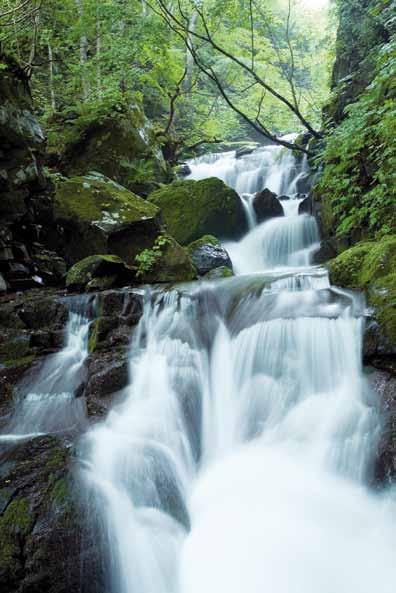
point(218, 273)
point(112, 138)
point(191, 209)
point(20, 362)
point(14, 347)
point(205, 240)
point(371, 266)
point(100, 200)
point(380, 260)
point(57, 459)
point(170, 262)
point(382, 296)
point(88, 268)
point(60, 493)
point(346, 269)
point(15, 524)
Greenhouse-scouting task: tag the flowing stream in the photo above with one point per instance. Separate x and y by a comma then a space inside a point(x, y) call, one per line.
point(47, 401)
point(239, 458)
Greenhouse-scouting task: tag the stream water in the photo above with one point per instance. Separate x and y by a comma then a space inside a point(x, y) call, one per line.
point(238, 459)
point(47, 401)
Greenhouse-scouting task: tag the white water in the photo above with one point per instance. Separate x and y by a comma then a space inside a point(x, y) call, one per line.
point(239, 458)
point(47, 402)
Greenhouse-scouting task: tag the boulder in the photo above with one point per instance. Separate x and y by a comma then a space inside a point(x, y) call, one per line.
point(99, 216)
point(107, 374)
point(183, 170)
point(244, 151)
point(219, 273)
point(97, 271)
point(370, 266)
point(115, 141)
point(207, 254)
point(384, 386)
point(46, 543)
point(306, 207)
point(167, 261)
point(191, 209)
point(266, 205)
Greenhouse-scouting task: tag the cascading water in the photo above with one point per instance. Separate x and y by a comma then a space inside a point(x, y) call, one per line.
point(47, 403)
point(239, 457)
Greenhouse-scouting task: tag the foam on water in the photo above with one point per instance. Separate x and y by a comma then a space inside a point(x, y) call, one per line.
point(240, 455)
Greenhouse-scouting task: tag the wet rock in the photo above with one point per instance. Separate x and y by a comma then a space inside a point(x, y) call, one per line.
point(207, 254)
point(43, 525)
point(325, 253)
point(384, 385)
point(114, 141)
point(107, 374)
point(167, 261)
point(100, 216)
point(306, 206)
point(99, 272)
point(183, 170)
point(3, 284)
point(244, 151)
point(191, 209)
point(266, 205)
point(43, 312)
point(219, 273)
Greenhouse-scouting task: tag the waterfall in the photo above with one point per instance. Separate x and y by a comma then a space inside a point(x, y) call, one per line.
point(47, 401)
point(239, 457)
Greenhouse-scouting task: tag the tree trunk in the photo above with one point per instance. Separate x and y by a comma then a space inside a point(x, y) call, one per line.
point(189, 58)
point(51, 77)
point(83, 55)
point(98, 54)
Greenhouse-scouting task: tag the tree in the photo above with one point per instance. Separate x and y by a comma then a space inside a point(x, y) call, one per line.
point(199, 37)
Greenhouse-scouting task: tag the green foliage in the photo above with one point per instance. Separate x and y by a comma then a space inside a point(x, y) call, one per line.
point(112, 52)
point(359, 180)
point(148, 258)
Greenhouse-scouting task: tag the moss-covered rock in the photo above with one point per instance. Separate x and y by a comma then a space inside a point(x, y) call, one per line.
point(100, 216)
point(42, 523)
point(114, 140)
point(371, 266)
point(96, 271)
point(207, 254)
point(167, 261)
point(191, 209)
point(219, 273)
point(205, 240)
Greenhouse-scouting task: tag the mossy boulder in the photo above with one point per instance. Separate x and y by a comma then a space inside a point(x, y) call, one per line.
point(191, 209)
point(371, 266)
point(219, 273)
point(97, 271)
point(114, 140)
point(167, 261)
point(43, 523)
point(207, 254)
point(99, 216)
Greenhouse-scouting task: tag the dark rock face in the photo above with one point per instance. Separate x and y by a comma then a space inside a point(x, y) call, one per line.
point(384, 385)
point(25, 194)
point(183, 170)
point(119, 144)
point(266, 205)
point(245, 150)
point(43, 526)
point(98, 216)
point(306, 206)
point(209, 257)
